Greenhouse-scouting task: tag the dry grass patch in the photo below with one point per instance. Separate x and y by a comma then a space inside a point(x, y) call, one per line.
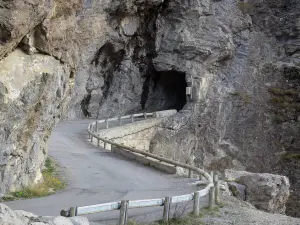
point(50, 184)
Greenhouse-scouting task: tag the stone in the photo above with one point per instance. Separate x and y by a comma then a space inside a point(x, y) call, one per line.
point(30, 108)
point(130, 25)
point(224, 188)
point(265, 191)
point(238, 190)
point(12, 26)
point(10, 217)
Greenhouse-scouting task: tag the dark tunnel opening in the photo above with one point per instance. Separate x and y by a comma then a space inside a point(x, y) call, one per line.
point(164, 90)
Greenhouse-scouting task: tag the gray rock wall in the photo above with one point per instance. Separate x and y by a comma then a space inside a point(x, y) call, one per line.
point(36, 79)
point(35, 91)
point(242, 56)
point(244, 60)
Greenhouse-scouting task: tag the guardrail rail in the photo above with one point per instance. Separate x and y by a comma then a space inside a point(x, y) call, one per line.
point(211, 189)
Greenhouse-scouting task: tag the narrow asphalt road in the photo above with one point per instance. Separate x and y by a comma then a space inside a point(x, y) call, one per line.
point(97, 176)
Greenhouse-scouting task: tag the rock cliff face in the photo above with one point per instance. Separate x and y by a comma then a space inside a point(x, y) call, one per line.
point(34, 91)
point(242, 59)
point(35, 87)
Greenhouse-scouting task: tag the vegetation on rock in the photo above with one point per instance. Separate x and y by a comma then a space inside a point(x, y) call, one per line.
point(50, 184)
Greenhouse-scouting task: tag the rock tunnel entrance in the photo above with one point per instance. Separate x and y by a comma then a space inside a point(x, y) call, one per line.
point(164, 90)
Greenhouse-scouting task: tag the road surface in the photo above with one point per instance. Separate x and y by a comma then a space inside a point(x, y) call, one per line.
point(97, 176)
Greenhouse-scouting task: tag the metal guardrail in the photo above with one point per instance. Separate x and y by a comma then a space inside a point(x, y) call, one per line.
point(211, 189)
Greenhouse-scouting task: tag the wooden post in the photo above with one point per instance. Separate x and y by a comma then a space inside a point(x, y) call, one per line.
point(155, 114)
point(90, 128)
point(105, 145)
point(120, 121)
point(196, 207)
point(211, 194)
point(123, 212)
point(145, 115)
point(217, 189)
point(96, 128)
point(211, 198)
point(167, 207)
point(112, 148)
point(92, 138)
point(72, 212)
point(98, 142)
point(190, 173)
point(106, 122)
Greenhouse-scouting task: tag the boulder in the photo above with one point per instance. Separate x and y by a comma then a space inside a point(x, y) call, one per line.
point(10, 217)
point(238, 190)
point(265, 191)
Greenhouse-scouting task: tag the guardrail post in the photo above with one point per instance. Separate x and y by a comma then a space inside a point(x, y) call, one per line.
point(132, 118)
point(196, 207)
point(217, 189)
point(120, 121)
point(98, 142)
point(112, 148)
point(105, 145)
point(145, 115)
point(190, 173)
point(123, 212)
point(96, 128)
point(106, 123)
point(90, 128)
point(211, 195)
point(167, 207)
point(72, 212)
point(200, 176)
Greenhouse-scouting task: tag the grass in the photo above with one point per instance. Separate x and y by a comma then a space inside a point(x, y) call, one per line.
point(245, 7)
point(243, 95)
point(185, 220)
point(286, 104)
point(282, 92)
point(291, 156)
point(50, 184)
point(188, 220)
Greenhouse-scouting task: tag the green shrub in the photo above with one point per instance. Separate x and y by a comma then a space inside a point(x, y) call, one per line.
point(291, 156)
point(243, 95)
point(282, 92)
point(245, 7)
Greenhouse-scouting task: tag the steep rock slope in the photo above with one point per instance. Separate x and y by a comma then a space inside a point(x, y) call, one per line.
point(240, 57)
point(44, 45)
point(34, 91)
point(245, 113)
point(35, 87)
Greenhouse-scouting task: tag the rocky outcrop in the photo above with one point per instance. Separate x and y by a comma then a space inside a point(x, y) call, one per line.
point(237, 212)
point(241, 59)
point(35, 91)
point(35, 88)
point(17, 18)
point(10, 217)
point(244, 61)
point(265, 191)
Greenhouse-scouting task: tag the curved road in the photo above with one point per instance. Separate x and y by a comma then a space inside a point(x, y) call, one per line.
point(97, 176)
